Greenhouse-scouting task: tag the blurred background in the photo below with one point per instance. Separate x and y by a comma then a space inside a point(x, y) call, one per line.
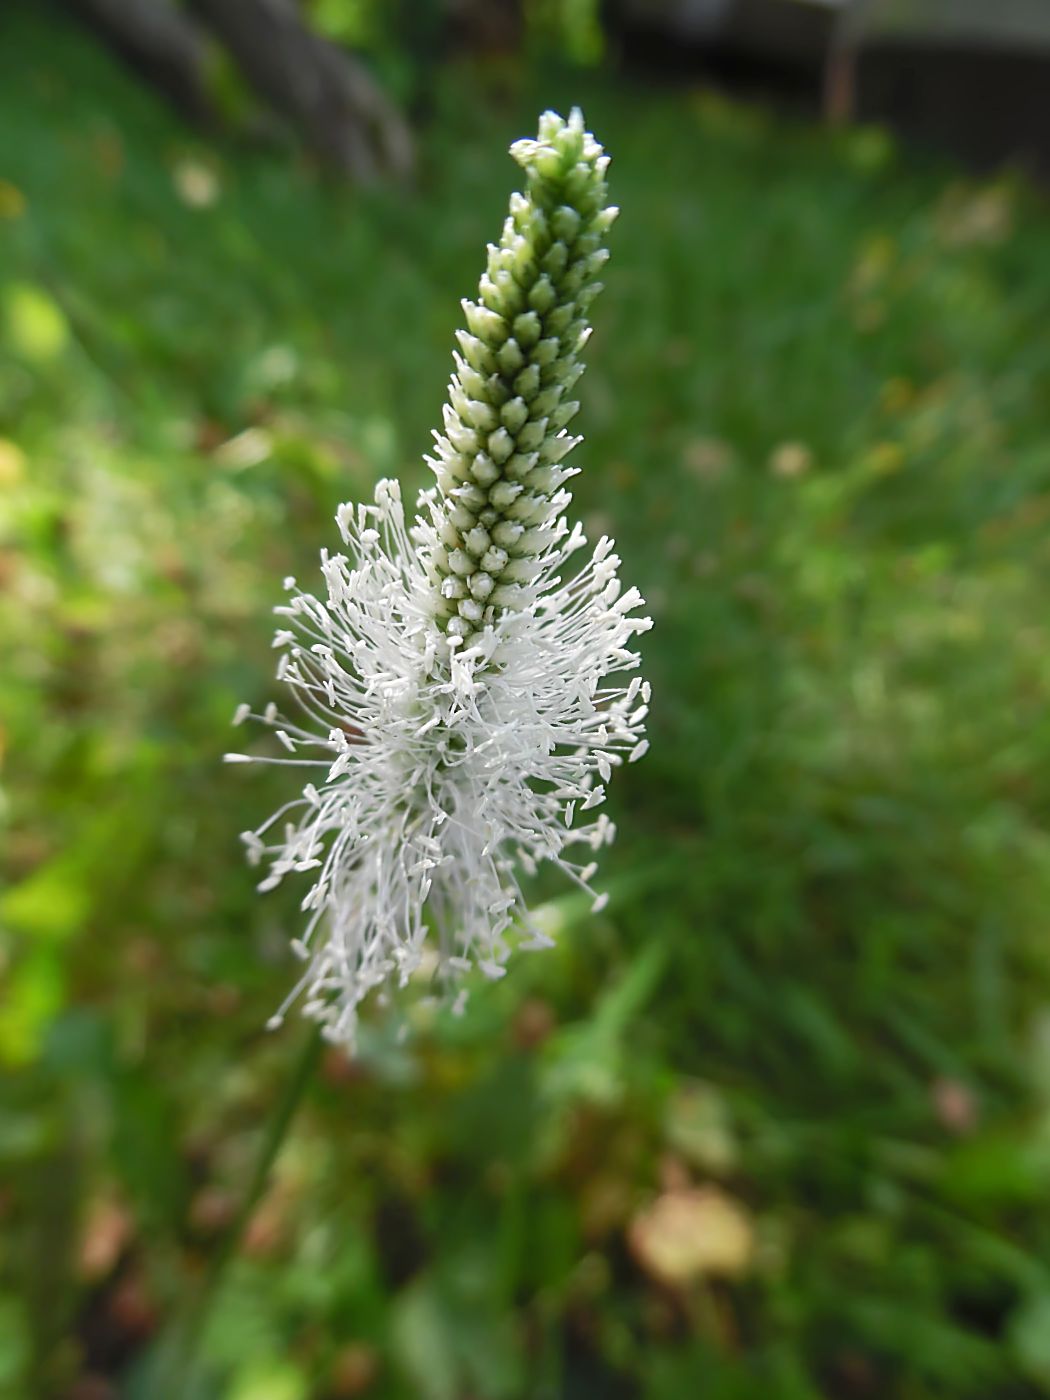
point(777, 1123)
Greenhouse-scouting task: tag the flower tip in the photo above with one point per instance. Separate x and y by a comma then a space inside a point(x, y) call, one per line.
point(550, 123)
point(236, 758)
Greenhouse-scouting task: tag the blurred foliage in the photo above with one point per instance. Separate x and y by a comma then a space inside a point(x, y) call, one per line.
point(571, 29)
point(407, 41)
point(778, 1124)
point(404, 40)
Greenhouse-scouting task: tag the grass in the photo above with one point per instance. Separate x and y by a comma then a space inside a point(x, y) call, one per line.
point(817, 422)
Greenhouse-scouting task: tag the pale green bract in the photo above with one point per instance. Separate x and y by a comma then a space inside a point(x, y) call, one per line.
point(459, 689)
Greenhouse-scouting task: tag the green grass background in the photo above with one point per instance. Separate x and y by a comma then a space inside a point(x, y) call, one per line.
point(818, 422)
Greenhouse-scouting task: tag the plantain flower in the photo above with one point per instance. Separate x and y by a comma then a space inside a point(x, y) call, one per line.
point(460, 685)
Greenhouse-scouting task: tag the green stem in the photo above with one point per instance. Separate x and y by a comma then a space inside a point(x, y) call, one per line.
point(178, 1366)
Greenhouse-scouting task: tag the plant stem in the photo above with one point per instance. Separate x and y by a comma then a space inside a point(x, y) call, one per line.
point(179, 1363)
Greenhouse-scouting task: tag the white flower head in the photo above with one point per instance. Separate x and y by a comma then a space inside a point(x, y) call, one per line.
point(461, 688)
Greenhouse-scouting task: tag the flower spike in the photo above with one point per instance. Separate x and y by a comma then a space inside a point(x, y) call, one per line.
point(459, 690)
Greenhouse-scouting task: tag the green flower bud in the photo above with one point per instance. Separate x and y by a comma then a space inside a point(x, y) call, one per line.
point(487, 325)
point(501, 445)
point(484, 470)
point(514, 414)
point(510, 356)
point(528, 381)
point(527, 329)
point(542, 295)
point(532, 436)
point(476, 352)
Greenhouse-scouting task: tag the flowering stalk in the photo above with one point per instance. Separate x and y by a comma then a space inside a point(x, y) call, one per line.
point(454, 683)
point(177, 1364)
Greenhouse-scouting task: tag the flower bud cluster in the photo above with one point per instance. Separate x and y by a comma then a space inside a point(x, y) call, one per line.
point(500, 461)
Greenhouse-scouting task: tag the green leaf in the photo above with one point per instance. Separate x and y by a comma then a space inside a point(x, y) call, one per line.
point(422, 1342)
point(1029, 1335)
